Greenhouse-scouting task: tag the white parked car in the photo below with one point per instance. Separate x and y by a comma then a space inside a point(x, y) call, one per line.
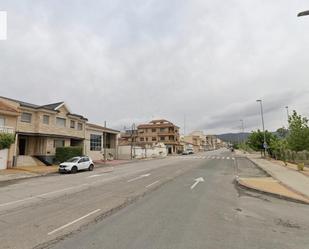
point(75, 164)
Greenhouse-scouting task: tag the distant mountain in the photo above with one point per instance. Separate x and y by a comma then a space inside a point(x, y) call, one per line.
point(233, 137)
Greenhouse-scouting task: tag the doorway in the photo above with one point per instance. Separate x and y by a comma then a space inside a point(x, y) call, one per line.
point(169, 150)
point(22, 146)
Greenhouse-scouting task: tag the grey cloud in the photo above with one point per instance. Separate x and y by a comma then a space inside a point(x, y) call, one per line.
point(128, 61)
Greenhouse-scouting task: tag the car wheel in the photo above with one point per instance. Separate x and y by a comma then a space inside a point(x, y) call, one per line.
point(74, 170)
point(91, 167)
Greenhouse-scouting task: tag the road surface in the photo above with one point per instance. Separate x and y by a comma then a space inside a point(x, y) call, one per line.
point(178, 202)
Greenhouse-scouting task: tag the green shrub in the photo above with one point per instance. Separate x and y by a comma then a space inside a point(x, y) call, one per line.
point(65, 153)
point(6, 140)
point(300, 166)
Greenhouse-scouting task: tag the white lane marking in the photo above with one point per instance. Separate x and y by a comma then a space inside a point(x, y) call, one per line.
point(197, 181)
point(93, 176)
point(228, 158)
point(151, 184)
point(223, 157)
point(233, 158)
point(38, 196)
point(74, 221)
point(139, 177)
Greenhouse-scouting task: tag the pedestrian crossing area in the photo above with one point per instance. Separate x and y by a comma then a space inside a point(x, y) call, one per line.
point(208, 157)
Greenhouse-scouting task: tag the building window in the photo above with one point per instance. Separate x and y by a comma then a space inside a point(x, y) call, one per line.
point(162, 129)
point(153, 130)
point(61, 122)
point(141, 139)
point(154, 139)
point(45, 119)
point(95, 142)
point(59, 143)
point(72, 124)
point(162, 138)
point(146, 139)
point(80, 126)
point(26, 117)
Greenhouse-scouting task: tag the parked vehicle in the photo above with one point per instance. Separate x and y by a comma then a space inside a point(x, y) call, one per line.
point(188, 152)
point(75, 164)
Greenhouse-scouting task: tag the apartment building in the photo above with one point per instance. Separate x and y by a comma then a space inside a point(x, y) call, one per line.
point(128, 137)
point(213, 142)
point(40, 129)
point(197, 139)
point(162, 131)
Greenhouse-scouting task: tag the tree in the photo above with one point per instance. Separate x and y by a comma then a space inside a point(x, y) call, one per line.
point(298, 137)
point(282, 132)
point(6, 140)
point(256, 139)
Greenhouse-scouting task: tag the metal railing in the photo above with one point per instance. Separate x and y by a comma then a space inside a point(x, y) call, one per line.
point(7, 129)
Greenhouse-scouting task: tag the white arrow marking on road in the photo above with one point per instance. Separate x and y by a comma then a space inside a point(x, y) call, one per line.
point(139, 177)
point(197, 181)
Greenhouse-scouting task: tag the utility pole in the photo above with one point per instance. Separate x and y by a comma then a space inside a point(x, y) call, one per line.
point(132, 139)
point(242, 130)
point(262, 116)
point(184, 125)
point(104, 144)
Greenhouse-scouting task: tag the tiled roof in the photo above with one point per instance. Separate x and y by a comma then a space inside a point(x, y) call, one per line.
point(52, 107)
point(102, 127)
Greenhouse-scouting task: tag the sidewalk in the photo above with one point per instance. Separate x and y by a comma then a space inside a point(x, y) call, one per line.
point(36, 171)
point(284, 178)
point(26, 172)
point(290, 178)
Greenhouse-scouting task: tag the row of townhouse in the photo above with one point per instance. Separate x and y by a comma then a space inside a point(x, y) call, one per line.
point(154, 132)
point(198, 141)
point(40, 129)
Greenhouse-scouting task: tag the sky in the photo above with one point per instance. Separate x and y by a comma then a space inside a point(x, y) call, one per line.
point(198, 63)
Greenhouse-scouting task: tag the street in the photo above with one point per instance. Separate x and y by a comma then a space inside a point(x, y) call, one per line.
point(177, 202)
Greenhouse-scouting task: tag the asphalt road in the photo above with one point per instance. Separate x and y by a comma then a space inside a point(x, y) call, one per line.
point(214, 214)
point(152, 204)
point(43, 209)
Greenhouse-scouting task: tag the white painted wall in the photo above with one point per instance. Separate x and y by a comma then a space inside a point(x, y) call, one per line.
point(158, 150)
point(3, 158)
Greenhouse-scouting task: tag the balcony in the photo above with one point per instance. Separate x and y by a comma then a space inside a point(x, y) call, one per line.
point(162, 133)
point(7, 129)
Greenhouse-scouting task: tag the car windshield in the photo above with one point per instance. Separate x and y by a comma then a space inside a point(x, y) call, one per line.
point(73, 160)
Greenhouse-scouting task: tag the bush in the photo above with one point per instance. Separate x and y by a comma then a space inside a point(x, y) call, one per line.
point(300, 166)
point(6, 140)
point(65, 153)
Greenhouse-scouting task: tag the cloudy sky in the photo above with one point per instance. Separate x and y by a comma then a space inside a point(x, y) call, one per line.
point(128, 61)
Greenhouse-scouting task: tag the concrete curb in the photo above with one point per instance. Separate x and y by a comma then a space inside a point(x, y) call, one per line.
point(283, 197)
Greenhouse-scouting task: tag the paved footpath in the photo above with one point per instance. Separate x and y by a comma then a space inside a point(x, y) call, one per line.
point(290, 178)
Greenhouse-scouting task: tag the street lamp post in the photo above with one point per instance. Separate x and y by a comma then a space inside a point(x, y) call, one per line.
point(304, 13)
point(288, 114)
point(262, 116)
point(242, 130)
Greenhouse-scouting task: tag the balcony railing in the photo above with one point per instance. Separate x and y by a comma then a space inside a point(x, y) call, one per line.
point(6, 129)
